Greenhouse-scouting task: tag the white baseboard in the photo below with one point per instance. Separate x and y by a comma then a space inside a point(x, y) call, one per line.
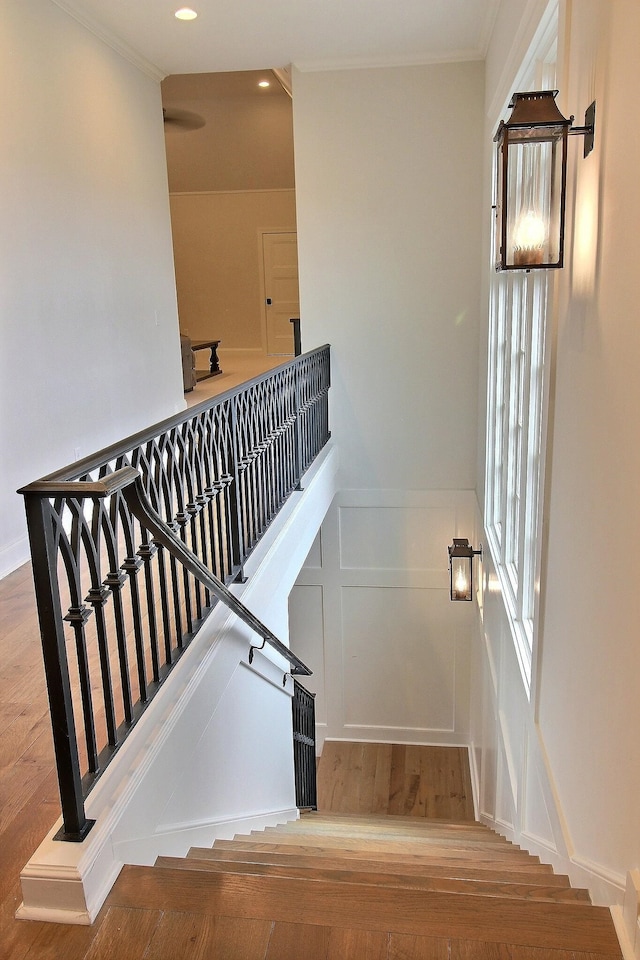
point(176, 841)
point(13, 555)
point(626, 944)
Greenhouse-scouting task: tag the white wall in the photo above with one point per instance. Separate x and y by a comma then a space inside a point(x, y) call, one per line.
point(388, 196)
point(388, 186)
point(88, 321)
point(562, 774)
point(591, 656)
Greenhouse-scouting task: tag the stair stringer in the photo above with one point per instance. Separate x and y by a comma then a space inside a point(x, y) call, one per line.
point(513, 783)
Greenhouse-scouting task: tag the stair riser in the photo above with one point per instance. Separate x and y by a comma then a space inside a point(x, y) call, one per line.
point(429, 836)
point(420, 847)
point(558, 926)
point(384, 879)
point(536, 875)
point(390, 855)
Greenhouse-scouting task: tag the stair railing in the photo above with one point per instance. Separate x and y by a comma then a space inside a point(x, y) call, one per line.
point(303, 707)
point(131, 549)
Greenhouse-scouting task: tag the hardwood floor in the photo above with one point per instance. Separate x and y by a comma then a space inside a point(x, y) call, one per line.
point(395, 779)
point(353, 882)
point(237, 367)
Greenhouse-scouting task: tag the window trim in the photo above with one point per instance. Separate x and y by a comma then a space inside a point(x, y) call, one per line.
point(520, 321)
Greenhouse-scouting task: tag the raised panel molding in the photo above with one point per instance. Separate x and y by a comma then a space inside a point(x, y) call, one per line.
point(395, 651)
point(399, 650)
point(406, 538)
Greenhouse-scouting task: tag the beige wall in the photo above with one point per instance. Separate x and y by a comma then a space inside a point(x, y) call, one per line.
point(230, 180)
point(218, 258)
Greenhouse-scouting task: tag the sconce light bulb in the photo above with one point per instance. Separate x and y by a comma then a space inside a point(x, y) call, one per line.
point(460, 585)
point(529, 238)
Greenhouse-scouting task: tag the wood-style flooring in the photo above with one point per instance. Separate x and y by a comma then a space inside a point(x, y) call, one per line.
point(395, 779)
point(352, 882)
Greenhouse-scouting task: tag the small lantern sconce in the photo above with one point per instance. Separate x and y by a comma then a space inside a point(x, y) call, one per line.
point(531, 181)
point(461, 556)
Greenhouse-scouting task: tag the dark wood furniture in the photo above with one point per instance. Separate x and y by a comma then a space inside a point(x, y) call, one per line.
point(214, 363)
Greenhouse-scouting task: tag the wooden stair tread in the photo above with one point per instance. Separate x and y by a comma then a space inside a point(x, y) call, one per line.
point(552, 925)
point(383, 877)
point(403, 831)
point(537, 874)
point(329, 815)
point(396, 855)
point(393, 845)
point(426, 825)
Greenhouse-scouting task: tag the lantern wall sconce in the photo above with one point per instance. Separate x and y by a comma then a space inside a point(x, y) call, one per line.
point(531, 180)
point(461, 556)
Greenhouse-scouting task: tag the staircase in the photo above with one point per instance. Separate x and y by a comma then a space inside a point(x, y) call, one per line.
point(346, 887)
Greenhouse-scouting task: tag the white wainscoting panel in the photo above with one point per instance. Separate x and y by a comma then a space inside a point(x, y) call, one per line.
point(306, 624)
point(394, 538)
point(400, 650)
point(371, 612)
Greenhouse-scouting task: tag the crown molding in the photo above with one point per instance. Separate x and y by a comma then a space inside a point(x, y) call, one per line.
point(111, 40)
point(373, 63)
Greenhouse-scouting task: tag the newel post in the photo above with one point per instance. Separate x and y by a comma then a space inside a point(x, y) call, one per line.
point(44, 562)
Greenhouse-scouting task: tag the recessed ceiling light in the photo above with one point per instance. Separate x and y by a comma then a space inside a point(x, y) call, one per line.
point(264, 83)
point(186, 13)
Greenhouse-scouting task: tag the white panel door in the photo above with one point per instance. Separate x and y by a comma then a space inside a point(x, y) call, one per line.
point(280, 259)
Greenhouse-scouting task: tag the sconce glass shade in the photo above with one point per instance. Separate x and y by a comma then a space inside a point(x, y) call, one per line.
point(531, 183)
point(461, 556)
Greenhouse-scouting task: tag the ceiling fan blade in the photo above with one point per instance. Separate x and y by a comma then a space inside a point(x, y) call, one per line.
point(182, 119)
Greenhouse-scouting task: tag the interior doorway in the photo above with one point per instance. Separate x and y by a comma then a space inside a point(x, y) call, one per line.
point(280, 291)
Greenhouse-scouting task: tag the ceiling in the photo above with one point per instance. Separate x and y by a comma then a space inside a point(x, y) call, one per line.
point(312, 34)
point(245, 141)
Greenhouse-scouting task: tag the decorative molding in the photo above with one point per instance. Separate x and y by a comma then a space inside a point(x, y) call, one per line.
point(176, 839)
point(533, 25)
point(283, 76)
point(111, 40)
point(377, 63)
point(487, 30)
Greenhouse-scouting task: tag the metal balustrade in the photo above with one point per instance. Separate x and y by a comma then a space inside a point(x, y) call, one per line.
point(303, 707)
point(132, 547)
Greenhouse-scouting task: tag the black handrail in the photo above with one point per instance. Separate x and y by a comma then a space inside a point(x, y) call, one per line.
point(132, 546)
point(128, 481)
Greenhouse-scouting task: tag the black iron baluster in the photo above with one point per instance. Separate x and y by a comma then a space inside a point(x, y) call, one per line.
point(146, 552)
point(217, 476)
point(236, 499)
point(97, 597)
point(304, 746)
